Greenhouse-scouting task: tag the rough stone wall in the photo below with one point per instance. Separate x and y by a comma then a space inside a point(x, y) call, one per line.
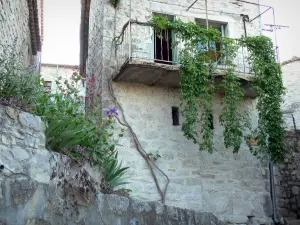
point(291, 103)
point(234, 187)
point(288, 181)
point(14, 17)
point(52, 73)
point(38, 187)
point(231, 186)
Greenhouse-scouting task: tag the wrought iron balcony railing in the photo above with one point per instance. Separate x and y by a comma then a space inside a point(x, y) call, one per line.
point(138, 42)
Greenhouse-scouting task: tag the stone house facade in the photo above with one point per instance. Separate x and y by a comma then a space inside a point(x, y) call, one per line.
point(21, 27)
point(51, 72)
point(235, 187)
point(291, 101)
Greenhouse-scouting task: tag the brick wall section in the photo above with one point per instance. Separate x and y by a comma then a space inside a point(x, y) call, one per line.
point(14, 24)
point(233, 187)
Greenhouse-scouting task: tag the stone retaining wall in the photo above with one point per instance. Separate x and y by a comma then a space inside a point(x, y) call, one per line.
point(288, 181)
point(39, 187)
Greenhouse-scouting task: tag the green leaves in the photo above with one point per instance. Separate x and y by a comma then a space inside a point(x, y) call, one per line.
point(20, 87)
point(84, 137)
point(198, 63)
point(233, 118)
point(113, 170)
point(269, 86)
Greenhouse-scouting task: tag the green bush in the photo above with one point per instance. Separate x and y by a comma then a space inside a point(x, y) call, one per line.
point(19, 86)
point(83, 137)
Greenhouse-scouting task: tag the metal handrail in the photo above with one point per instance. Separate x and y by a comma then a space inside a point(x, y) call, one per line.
point(137, 42)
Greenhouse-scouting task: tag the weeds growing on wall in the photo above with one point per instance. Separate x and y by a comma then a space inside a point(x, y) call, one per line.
point(82, 137)
point(114, 3)
point(68, 129)
point(19, 86)
point(198, 60)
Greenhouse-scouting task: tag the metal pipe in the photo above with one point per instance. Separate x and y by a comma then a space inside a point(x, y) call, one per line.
point(260, 22)
point(206, 14)
point(168, 49)
point(161, 45)
point(275, 34)
point(261, 14)
point(191, 5)
point(130, 37)
point(273, 196)
point(130, 41)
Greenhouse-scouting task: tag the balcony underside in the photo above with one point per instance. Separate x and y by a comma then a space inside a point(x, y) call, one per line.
point(151, 73)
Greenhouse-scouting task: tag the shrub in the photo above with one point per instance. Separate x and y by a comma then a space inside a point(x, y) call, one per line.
point(19, 86)
point(82, 137)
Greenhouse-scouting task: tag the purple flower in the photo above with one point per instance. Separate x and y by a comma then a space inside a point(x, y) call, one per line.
point(8, 101)
point(112, 112)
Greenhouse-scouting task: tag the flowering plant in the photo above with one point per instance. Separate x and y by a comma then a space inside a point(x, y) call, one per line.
point(19, 86)
point(84, 136)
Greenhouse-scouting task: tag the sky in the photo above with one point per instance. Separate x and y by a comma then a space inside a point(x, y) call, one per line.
point(62, 25)
point(286, 14)
point(61, 32)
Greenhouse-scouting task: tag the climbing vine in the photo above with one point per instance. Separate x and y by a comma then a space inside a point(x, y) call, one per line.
point(199, 59)
point(114, 3)
point(269, 87)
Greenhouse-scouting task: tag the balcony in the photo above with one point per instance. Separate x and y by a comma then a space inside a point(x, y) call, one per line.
point(143, 57)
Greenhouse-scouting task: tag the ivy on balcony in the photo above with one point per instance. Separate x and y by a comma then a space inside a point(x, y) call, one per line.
point(199, 60)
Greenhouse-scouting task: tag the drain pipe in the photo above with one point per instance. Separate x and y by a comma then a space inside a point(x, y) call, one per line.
point(273, 194)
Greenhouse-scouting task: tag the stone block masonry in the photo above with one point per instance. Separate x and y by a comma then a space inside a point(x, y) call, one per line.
point(288, 181)
point(233, 187)
point(14, 16)
point(38, 187)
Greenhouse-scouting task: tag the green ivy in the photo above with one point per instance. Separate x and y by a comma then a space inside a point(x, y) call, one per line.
point(198, 88)
point(269, 87)
point(115, 3)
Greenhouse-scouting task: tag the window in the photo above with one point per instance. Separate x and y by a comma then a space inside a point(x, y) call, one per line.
point(175, 116)
point(163, 52)
point(215, 56)
point(47, 86)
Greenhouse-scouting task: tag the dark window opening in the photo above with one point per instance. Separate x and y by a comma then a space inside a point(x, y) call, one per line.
point(175, 116)
point(1, 168)
point(214, 48)
point(211, 120)
point(163, 52)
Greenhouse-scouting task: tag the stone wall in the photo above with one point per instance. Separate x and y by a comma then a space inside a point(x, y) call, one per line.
point(231, 186)
point(291, 81)
point(288, 181)
point(14, 17)
point(51, 72)
point(38, 187)
point(234, 187)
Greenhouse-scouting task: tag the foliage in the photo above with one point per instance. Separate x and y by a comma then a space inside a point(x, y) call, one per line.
point(114, 171)
point(83, 137)
point(115, 3)
point(199, 59)
point(19, 86)
point(269, 87)
point(154, 156)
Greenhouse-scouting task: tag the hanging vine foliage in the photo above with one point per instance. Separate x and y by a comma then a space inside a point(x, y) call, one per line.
point(115, 3)
point(269, 87)
point(199, 59)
